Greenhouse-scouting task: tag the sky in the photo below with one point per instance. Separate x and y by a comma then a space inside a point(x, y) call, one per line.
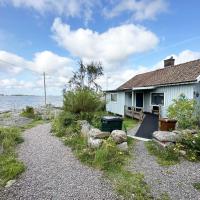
point(127, 36)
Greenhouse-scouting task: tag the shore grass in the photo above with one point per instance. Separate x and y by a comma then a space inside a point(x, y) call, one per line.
point(165, 156)
point(112, 162)
point(32, 124)
point(10, 167)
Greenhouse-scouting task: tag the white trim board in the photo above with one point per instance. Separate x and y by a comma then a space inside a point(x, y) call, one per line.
point(139, 138)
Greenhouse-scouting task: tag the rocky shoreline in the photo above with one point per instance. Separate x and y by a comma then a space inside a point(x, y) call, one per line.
point(10, 118)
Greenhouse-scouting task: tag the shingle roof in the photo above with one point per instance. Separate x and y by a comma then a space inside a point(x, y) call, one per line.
point(186, 72)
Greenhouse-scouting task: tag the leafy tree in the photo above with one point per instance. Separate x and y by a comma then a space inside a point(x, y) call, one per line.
point(183, 110)
point(86, 76)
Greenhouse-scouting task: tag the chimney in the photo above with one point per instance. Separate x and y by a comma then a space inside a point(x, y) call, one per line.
point(169, 62)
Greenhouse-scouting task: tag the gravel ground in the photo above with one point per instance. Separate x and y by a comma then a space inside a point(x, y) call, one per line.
point(175, 180)
point(54, 173)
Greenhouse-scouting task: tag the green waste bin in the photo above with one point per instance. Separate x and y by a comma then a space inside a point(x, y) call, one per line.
point(110, 123)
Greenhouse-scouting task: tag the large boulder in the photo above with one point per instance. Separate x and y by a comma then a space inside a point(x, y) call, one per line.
point(166, 136)
point(94, 143)
point(163, 144)
point(85, 128)
point(118, 136)
point(123, 146)
point(98, 134)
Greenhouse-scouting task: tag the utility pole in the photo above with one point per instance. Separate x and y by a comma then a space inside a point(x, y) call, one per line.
point(45, 93)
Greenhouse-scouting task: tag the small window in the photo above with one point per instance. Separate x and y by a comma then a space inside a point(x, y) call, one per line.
point(113, 97)
point(157, 98)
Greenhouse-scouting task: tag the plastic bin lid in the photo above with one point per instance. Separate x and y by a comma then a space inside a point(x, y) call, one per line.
point(112, 118)
point(167, 120)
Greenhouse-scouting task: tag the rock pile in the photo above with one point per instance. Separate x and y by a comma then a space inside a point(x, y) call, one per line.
point(95, 136)
point(167, 138)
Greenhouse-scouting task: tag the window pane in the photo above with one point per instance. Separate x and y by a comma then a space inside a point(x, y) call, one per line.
point(157, 98)
point(114, 97)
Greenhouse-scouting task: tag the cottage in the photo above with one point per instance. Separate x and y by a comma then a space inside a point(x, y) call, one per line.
point(154, 91)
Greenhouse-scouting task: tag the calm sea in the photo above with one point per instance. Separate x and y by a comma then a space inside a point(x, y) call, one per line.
point(18, 102)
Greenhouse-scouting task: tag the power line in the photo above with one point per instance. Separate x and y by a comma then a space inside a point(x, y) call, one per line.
point(8, 63)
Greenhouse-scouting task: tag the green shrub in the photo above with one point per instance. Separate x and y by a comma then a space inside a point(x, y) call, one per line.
point(28, 112)
point(182, 110)
point(82, 100)
point(61, 122)
point(191, 144)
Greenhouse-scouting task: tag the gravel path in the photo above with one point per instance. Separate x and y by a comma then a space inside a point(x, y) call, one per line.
point(54, 173)
point(175, 180)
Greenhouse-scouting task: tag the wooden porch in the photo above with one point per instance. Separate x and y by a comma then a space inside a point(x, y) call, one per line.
point(133, 112)
point(138, 113)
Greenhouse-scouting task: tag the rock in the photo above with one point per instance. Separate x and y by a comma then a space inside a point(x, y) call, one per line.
point(85, 128)
point(98, 134)
point(182, 152)
point(123, 146)
point(166, 136)
point(163, 144)
point(189, 131)
point(118, 136)
point(176, 131)
point(94, 143)
point(9, 183)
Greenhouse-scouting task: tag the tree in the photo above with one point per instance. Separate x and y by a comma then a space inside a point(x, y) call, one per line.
point(86, 76)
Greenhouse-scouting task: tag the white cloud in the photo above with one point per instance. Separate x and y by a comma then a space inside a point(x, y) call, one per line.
point(140, 10)
point(58, 70)
point(112, 80)
point(69, 8)
point(11, 63)
point(112, 46)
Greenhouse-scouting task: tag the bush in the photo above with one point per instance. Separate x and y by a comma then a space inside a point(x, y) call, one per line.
point(82, 101)
point(60, 123)
point(182, 110)
point(28, 112)
point(191, 144)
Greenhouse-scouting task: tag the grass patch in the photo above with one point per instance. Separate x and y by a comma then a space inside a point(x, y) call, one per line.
point(165, 156)
point(196, 186)
point(32, 124)
point(129, 123)
point(112, 161)
point(10, 167)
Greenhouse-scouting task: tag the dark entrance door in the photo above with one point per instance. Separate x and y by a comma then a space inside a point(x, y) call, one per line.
point(139, 100)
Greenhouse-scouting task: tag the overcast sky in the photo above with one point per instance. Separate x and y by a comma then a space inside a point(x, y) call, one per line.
point(127, 36)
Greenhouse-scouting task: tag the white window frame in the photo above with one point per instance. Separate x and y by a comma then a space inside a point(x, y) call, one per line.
point(111, 97)
point(157, 93)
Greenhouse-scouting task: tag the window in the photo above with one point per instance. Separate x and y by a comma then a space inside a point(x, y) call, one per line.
point(113, 97)
point(157, 98)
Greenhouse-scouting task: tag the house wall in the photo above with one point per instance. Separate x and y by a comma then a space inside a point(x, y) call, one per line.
point(197, 90)
point(172, 92)
point(116, 107)
point(128, 98)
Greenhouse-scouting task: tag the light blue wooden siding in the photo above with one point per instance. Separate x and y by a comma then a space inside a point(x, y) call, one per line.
point(116, 107)
point(128, 98)
point(172, 92)
point(197, 90)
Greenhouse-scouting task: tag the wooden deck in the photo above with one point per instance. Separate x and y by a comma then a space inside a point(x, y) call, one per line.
point(133, 112)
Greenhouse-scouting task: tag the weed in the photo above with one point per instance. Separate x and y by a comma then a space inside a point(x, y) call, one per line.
point(196, 186)
point(165, 156)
